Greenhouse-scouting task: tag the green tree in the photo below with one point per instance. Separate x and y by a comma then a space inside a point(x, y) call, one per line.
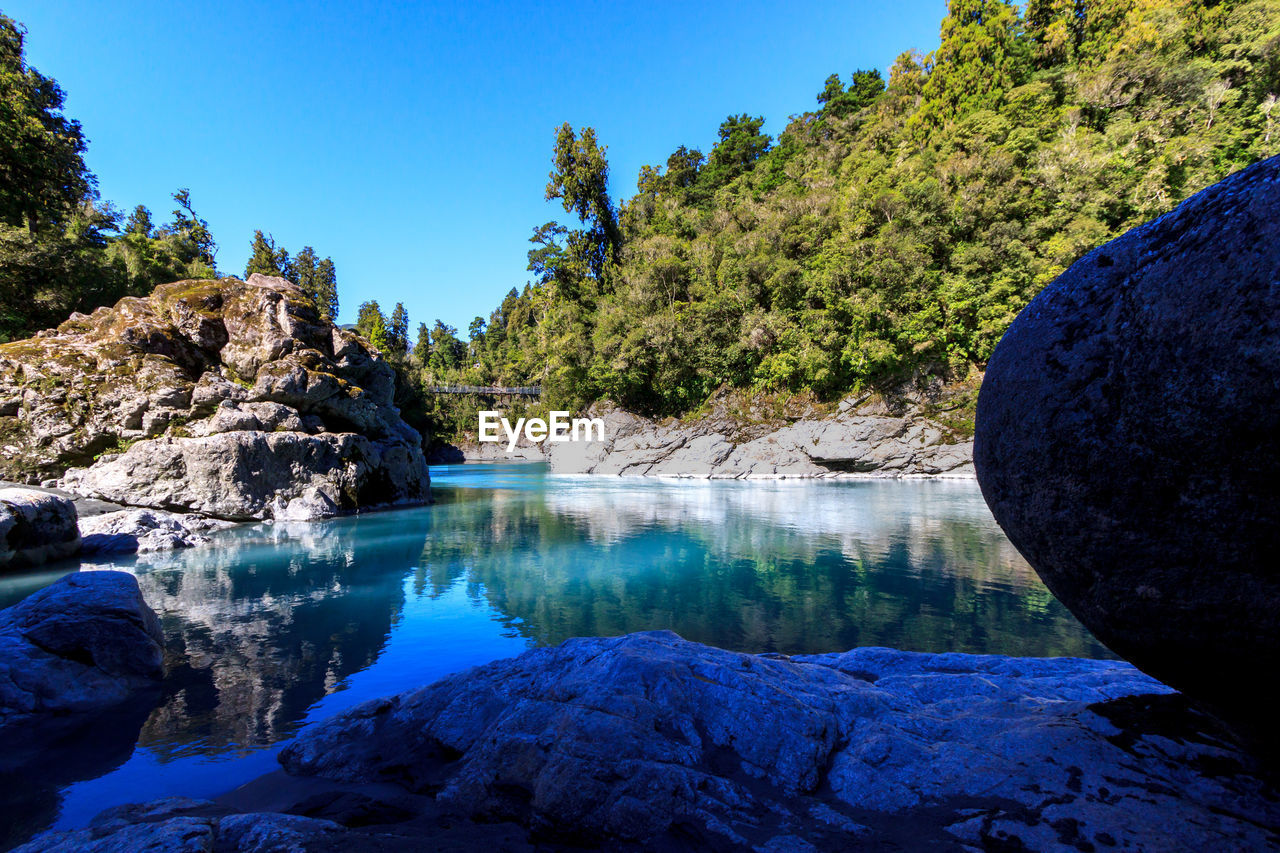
point(398, 331)
point(43, 176)
point(190, 227)
point(139, 223)
point(266, 258)
point(372, 323)
point(580, 179)
point(741, 144)
point(326, 284)
point(422, 346)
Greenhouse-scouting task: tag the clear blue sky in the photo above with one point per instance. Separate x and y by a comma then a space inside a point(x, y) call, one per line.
point(411, 141)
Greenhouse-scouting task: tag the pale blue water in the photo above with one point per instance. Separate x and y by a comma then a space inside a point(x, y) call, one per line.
point(277, 626)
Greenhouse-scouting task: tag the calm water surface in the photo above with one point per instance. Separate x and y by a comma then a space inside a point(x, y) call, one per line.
point(277, 626)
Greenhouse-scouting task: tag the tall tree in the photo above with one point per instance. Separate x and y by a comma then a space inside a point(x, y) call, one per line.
point(189, 225)
point(372, 323)
point(43, 176)
point(265, 257)
point(139, 222)
point(326, 284)
point(580, 179)
point(422, 346)
point(398, 331)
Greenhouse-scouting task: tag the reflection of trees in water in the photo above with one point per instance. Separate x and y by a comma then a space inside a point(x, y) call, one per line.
point(787, 567)
point(261, 625)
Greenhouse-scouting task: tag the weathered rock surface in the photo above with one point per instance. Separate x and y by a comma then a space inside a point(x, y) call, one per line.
point(142, 531)
point(36, 527)
point(227, 398)
point(649, 742)
point(863, 439)
point(648, 738)
point(1128, 442)
point(84, 643)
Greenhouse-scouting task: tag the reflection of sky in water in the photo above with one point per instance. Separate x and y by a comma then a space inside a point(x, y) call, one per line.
point(276, 626)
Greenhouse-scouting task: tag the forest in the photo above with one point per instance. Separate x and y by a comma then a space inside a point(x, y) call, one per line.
point(887, 234)
point(893, 231)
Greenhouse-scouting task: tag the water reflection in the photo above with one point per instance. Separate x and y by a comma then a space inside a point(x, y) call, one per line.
point(768, 566)
point(262, 625)
point(275, 626)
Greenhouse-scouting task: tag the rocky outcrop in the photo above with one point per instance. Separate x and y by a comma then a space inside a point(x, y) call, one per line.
point(227, 398)
point(84, 643)
point(867, 437)
point(1128, 442)
point(143, 531)
point(652, 741)
point(36, 527)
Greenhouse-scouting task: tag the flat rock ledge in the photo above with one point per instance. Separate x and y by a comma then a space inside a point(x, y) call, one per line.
point(84, 643)
point(651, 742)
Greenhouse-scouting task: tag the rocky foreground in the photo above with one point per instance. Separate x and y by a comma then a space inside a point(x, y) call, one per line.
point(651, 742)
point(230, 399)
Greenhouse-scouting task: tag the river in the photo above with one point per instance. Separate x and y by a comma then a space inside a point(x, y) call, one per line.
point(275, 626)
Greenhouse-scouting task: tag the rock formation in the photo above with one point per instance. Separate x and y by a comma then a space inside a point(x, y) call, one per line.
point(142, 531)
point(650, 742)
point(36, 527)
point(1128, 442)
point(867, 437)
point(84, 643)
point(226, 398)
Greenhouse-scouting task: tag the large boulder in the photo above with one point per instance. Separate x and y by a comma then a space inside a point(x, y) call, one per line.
point(652, 740)
point(36, 527)
point(1128, 442)
point(84, 643)
point(230, 398)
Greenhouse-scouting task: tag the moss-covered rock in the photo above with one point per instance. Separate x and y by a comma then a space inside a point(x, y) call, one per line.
point(156, 379)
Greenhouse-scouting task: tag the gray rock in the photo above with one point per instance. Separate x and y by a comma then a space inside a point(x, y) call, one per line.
point(1128, 442)
point(84, 643)
point(249, 475)
point(647, 736)
point(852, 443)
point(143, 531)
point(36, 527)
point(239, 386)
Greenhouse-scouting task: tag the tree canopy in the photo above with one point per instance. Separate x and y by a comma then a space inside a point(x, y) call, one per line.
point(894, 232)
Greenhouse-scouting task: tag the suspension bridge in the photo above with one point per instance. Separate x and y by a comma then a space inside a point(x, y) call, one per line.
point(488, 390)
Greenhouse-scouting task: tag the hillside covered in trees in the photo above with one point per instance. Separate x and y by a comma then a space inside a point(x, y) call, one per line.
point(892, 232)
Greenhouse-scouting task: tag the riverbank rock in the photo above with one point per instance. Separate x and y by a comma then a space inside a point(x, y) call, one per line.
point(228, 398)
point(36, 527)
point(84, 643)
point(864, 438)
point(648, 738)
point(1128, 442)
point(142, 531)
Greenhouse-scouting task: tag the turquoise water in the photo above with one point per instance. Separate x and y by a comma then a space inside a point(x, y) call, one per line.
point(277, 626)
